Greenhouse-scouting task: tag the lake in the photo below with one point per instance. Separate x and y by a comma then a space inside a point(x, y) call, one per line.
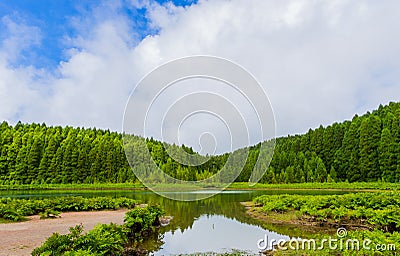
point(216, 224)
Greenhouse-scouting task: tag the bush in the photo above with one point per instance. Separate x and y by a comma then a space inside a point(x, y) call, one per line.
point(142, 221)
point(103, 239)
point(18, 209)
point(379, 209)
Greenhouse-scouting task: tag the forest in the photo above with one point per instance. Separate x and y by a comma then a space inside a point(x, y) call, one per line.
point(363, 149)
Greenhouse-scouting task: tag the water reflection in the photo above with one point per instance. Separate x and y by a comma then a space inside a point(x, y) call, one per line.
point(217, 224)
point(215, 233)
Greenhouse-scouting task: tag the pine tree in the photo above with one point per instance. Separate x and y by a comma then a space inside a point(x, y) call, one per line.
point(317, 138)
point(370, 135)
point(348, 167)
point(269, 177)
point(56, 166)
point(320, 171)
point(289, 178)
point(333, 174)
point(21, 167)
point(45, 171)
point(387, 156)
point(83, 164)
point(34, 156)
point(6, 139)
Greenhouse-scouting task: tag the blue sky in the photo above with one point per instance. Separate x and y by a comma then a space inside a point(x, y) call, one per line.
point(77, 62)
point(53, 19)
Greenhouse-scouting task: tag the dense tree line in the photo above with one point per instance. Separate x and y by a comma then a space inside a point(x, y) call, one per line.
point(33, 153)
point(367, 148)
point(37, 154)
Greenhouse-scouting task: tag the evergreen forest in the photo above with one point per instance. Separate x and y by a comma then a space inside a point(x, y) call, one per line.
point(363, 149)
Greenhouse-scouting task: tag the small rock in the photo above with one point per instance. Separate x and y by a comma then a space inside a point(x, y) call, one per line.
point(165, 220)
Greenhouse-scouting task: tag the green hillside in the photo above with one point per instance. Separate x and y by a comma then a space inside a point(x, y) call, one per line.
point(364, 149)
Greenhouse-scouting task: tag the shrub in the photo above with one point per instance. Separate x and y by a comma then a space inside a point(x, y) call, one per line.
point(380, 209)
point(18, 209)
point(103, 239)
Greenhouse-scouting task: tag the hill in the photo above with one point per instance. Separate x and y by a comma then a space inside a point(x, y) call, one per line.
point(366, 148)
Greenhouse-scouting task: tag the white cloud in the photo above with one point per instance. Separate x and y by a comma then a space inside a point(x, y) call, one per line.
point(18, 90)
point(19, 37)
point(319, 61)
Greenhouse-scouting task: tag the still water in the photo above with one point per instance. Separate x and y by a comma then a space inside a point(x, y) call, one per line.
point(215, 233)
point(216, 224)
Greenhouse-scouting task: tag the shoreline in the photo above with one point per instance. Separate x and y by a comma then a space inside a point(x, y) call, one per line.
point(308, 224)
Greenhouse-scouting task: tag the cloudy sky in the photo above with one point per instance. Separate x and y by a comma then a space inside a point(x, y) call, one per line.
point(76, 62)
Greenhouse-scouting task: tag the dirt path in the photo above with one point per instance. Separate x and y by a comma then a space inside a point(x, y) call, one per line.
point(22, 237)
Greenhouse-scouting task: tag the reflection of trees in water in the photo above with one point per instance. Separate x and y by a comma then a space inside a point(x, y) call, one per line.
point(228, 205)
point(150, 244)
point(185, 212)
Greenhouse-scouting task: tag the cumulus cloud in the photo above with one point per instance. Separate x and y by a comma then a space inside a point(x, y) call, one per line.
point(18, 37)
point(319, 61)
point(315, 59)
point(18, 90)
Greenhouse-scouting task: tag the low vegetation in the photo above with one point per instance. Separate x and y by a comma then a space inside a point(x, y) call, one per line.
point(369, 215)
point(105, 239)
point(377, 210)
point(12, 209)
point(361, 242)
point(82, 186)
